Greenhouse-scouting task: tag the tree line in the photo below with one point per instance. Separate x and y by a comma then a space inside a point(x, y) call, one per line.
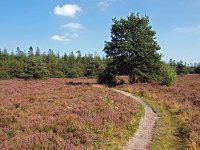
point(37, 65)
point(185, 68)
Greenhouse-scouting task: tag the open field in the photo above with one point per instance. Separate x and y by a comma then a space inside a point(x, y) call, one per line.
point(179, 109)
point(64, 114)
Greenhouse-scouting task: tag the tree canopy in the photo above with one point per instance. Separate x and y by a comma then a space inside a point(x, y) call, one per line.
point(133, 48)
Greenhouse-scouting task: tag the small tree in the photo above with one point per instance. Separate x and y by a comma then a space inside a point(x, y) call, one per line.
point(165, 74)
point(133, 48)
point(168, 75)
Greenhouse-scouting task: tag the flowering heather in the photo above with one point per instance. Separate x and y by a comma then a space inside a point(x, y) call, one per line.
point(62, 114)
point(181, 99)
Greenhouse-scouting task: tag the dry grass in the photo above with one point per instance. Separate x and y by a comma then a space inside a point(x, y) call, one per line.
point(63, 114)
point(182, 100)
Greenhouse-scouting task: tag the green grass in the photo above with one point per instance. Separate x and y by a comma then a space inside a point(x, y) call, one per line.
point(170, 132)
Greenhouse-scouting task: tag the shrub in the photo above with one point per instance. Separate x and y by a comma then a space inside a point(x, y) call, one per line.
point(168, 74)
point(165, 74)
point(106, 77)
point(4, 74)
point(41, 73)
point(57, 74)
point(74, 72)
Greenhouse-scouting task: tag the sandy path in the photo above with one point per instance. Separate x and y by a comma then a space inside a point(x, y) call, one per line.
point(143, 136)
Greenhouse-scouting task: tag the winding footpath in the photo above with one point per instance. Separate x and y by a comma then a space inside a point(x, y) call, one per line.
point(143, 137)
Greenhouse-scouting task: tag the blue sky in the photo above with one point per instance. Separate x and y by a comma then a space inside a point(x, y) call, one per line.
point(72, 25)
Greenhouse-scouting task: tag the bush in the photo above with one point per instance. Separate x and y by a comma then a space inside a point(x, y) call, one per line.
point(169, 75)
point(41, 73)
point(106, 77)
point(57, 74)
point(165, 74)
point(4, 75)
point(74, 72)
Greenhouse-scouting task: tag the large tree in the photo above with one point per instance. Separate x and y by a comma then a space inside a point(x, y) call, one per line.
point(133, 47)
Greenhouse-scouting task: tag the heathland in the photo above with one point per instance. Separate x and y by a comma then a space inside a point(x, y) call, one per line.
point(178, 106)
point(63, 114)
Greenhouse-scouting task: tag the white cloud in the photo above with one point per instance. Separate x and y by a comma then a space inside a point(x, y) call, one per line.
point(72, 26)
point(65, 38)
point(68, 10)
point(195, 29)
point(103, 4)
point(60, 38)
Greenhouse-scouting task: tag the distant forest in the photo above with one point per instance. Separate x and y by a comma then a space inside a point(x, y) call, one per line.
point(37, 65)
point(185, 68)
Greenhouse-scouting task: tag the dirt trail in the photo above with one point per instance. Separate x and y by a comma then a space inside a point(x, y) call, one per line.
point(143, 137)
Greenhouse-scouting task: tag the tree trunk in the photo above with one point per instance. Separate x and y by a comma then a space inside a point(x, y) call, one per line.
point(132, 79)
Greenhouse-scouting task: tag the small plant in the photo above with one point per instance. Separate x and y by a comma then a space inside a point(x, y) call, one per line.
point(96, 142)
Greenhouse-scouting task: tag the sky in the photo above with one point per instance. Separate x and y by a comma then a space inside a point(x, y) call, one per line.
point(84, 25)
